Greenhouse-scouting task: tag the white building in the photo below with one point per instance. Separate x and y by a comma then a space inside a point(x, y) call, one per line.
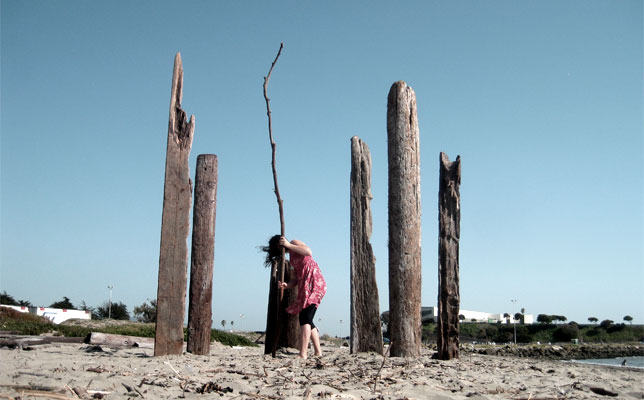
point(431, 314)
point(56, 315)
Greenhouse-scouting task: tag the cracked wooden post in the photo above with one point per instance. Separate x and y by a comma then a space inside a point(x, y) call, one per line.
point(448, 243)
point(177, 196)
point(203, 255)
point(404, 222)
point(366, 332)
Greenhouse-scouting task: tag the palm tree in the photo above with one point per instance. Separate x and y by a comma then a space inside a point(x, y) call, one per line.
point(7, 299)
point(223, 323)
point(629, 319)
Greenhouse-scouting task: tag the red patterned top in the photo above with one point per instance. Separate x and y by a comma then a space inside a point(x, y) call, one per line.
point(311, 286)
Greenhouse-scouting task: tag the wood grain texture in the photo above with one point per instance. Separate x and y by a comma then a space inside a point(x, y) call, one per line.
point(366, 332)
point(203, 255)
point(448, 246)
point(403, 139)
point(177, 197)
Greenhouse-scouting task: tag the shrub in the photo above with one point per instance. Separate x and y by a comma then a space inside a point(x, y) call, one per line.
point(544, 318)
point(523, 335)
point(504, 336)
point(7, 299)
point(230, 339)
point(428, 333)
point(118, 311)
point(65, 304)
point(146, 312)
point(491, 331)
point(565, 333)
point(23, 323)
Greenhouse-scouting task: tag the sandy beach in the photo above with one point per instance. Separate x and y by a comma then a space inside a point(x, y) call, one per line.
point(76, 370)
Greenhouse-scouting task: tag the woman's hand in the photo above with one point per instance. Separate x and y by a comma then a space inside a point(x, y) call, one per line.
point(282, 285)
point(284, 243)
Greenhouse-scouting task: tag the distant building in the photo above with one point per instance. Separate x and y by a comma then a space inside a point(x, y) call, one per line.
point(56, 315)
point(430, 314)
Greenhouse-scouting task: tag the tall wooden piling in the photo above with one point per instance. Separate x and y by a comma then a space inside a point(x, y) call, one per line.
point(177, 196)
point(366, 333)
point(403, 139)
point(203, 255)
point(449, 298)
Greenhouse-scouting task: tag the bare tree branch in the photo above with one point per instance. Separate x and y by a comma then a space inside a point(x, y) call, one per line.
point(279, 203)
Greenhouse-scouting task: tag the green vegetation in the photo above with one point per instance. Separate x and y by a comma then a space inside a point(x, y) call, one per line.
point(230, 339)
point(65, 303)
point(7, 299)
point(29, 324)
point(113, 311)
point(146, 312)
point(543, 333)
point(23, 323)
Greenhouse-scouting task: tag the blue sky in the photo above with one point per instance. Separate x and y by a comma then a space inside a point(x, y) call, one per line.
point(541, 99)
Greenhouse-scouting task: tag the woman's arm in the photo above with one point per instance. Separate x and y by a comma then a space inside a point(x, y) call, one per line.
point(297, 246)
point(291, 283)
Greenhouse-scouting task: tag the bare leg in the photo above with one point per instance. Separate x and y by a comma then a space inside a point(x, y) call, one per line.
point(315, 338)
point(305, 334)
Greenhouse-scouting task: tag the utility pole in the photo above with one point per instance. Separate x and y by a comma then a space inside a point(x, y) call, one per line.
point(109, 306)
point(514, 302)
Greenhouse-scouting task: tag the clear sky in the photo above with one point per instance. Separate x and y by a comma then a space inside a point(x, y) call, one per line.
point(541, 99)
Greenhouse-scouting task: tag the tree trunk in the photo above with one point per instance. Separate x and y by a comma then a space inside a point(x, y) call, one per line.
point(284, 333)
point(366, 333)
point(270, 344)
point(404, 222)
point(203, 255)
point(448, 240)
point(290, 335)
point(177, 196)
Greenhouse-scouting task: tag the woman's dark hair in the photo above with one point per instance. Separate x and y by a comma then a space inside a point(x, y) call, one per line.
point(273, 251)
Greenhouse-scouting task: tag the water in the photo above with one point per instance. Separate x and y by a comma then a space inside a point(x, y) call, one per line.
point(632, 362)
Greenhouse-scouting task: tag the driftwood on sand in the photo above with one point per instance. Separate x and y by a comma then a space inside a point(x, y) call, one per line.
point(113, 340)
point(23, 342)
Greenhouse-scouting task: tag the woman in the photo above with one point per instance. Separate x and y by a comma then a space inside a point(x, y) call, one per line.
point(311, 287)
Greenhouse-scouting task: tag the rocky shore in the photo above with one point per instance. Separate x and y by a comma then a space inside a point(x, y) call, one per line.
point(558, 352)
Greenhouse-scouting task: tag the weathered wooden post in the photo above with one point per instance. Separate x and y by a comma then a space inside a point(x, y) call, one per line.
point(290, 334)
point(175, 222)
point(449, 298)
point(203, 255)
point(404, 222)
point(366, 332)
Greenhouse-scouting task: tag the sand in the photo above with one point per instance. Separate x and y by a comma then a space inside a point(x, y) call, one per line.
point(55, 370)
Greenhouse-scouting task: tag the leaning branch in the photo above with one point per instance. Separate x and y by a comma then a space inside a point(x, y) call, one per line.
point(279, 204)
point(270, 136)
